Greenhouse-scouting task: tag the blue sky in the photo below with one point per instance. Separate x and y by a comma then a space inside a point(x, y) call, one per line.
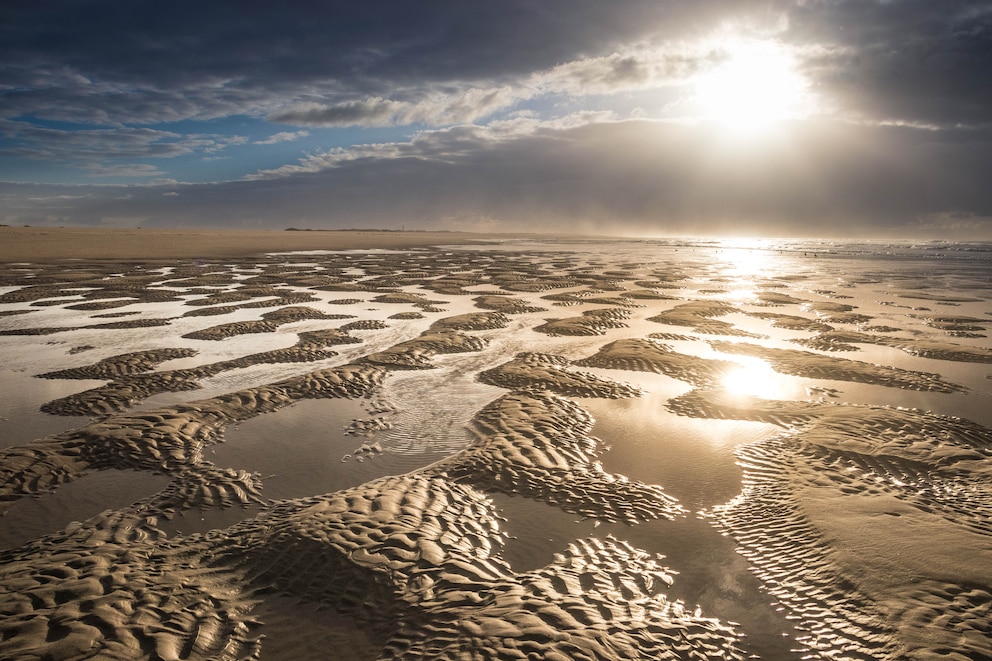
point(186, 151)
point(647, 116)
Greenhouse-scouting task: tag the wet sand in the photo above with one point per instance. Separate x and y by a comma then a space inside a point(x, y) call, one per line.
point(44, 244)
point(512, 449)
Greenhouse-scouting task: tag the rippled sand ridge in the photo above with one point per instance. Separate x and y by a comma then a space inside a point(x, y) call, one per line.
point(522, 449)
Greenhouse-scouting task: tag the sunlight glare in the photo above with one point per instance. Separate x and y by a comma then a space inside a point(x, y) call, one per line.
point(754, 378)
point(745, 259)
point(756, 85)
point(742, 263)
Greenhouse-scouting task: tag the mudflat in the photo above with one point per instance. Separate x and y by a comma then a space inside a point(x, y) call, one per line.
point(520, 447)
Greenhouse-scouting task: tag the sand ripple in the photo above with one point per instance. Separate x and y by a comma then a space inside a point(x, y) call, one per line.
point(269, 322)
point(128, 363)
point(414, 559)
point(923, 347)
point(700, 316)
point(120, 601)
point(535, 371)
point(818, 366)
point(936, 467)
point(112, 325)
point(646, 355)
point(417, 353)
point(168, 440)
point(505, 304)
point(870, 526)
point(591, 322)
point(131, 387)
point(537, 445)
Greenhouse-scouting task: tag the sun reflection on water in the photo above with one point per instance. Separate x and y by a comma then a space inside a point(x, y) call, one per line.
point(742, 294)
point(744, 264)
point(753, 377)
point(746, 258)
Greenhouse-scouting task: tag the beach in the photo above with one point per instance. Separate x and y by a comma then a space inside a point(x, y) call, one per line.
point(405, 445)
point(52, 244)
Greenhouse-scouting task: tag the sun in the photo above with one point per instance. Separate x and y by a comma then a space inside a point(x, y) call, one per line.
point(754, 85)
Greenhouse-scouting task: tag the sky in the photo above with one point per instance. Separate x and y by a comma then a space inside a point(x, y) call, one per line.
point(847, 118)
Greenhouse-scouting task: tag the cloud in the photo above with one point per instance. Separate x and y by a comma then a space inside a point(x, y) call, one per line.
point(282, 136)
point(611, 176)
point(374, 111)
point(123, 170)
point(955, 221)
point(56, 91)
point(98, 63)
point(102, 151)
point(638, 68)
point(443, 145)
point(913, 61)
point(345, 64)
point(304, 42)
point(435, 108)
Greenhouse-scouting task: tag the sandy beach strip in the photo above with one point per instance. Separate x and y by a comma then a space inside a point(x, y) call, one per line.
point(52, 244)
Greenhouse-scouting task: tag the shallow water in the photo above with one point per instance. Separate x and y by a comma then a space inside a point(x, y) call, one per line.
point(304, 450)
point(31, 518)
point(794, 474)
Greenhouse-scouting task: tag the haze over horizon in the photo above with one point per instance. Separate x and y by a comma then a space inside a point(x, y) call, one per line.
point(798, 118)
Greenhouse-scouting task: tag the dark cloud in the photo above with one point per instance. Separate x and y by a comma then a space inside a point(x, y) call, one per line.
point(65, 95)
point(912, 61)
point(65, 58)
point(370, 111)
point(104, 61)
point(379, 40)
point(349, 63)
point(90, 146)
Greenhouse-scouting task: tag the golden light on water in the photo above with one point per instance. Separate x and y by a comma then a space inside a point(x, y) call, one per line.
point(742, 294)
point(753, 378)
point(745, 261)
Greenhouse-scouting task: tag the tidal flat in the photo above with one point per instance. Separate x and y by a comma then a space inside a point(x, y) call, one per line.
point(514, 448)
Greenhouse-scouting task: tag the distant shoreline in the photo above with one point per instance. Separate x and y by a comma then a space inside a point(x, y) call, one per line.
point(55, 244)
